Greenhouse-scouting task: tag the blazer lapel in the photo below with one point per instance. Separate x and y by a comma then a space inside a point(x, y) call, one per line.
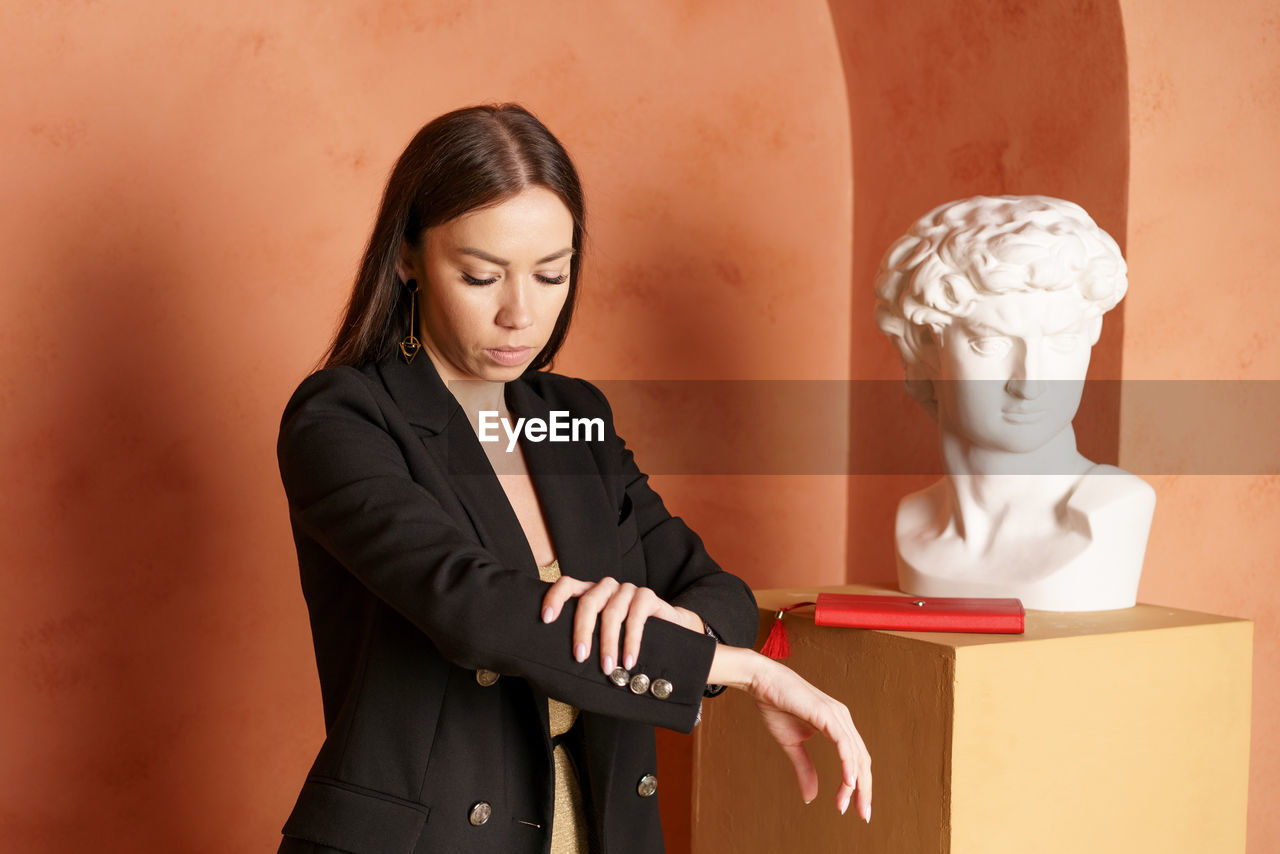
point(575, 501)
point(579, 515)
point(447, 435)
point(572, 493)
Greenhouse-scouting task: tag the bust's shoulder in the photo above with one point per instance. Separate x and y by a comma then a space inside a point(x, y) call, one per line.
point(919, 511)
point(1106, 487)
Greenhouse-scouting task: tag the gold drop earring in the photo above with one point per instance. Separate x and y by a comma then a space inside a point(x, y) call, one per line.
point(410, 345)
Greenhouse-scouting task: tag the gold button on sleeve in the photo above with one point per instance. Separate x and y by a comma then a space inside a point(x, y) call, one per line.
point(639, 683)
point(661, 689)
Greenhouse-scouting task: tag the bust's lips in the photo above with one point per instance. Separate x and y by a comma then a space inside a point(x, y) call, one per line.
point(1019, 415)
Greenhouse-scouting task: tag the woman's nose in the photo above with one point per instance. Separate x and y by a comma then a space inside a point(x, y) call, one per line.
point(514, 312)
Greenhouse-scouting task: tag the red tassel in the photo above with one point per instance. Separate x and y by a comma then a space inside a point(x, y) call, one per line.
point(776, 645)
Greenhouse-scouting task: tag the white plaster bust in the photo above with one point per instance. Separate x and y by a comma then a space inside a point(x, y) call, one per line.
point(994, 304)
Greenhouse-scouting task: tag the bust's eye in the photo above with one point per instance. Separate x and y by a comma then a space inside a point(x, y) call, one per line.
point(989, 346)
point(1064, 342)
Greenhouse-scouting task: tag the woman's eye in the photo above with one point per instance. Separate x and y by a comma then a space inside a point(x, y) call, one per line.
point(553, 280)
point(989, 346)
point(472, 280)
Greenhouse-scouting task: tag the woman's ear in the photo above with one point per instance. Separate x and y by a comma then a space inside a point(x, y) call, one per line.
point(408, 263)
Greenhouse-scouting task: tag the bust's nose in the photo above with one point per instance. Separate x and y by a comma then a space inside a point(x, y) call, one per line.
point(1027, 379)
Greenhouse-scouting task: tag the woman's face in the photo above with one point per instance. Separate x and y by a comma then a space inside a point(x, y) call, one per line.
point(492, 282)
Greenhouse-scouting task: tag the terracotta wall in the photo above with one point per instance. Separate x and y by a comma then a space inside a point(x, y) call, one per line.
point(187, 189)
point(1204, 198)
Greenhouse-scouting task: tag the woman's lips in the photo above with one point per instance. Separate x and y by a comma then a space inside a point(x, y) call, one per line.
point(509, 356)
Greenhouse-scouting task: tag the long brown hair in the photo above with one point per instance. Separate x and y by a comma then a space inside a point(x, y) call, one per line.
point(464, 160)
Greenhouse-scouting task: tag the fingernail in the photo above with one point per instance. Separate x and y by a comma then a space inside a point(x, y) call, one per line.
point(867, 817)
point(844, 809)
point(629, 662)
point(546, 614)
point(806, 803)
point(580, 652)
point(608, 664)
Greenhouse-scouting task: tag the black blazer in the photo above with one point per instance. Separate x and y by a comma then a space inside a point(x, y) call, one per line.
point(417, 575)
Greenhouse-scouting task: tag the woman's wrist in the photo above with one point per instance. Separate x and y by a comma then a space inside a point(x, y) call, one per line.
point(690, 620)
point(735, 666)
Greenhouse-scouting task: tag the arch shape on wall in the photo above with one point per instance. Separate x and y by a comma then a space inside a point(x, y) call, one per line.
point(951, 100)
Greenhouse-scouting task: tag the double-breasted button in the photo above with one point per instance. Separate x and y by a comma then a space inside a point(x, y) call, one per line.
point(639, 683)
point(619, 677)
point(661, 689)
point(481, 810)
point(486, 677)
point(647, 787)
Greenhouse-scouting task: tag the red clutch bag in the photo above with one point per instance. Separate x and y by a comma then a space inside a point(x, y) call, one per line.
point(920, 613)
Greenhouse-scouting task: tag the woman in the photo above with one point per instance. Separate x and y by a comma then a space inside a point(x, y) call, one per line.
point(489, 672)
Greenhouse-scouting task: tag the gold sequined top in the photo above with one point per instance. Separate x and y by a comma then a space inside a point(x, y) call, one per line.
point(569, 823)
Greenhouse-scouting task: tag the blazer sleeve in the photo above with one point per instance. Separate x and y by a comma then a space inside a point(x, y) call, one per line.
point(678, 566)
point(350, 490)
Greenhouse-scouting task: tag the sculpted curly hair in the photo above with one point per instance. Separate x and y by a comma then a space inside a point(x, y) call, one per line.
point(965, 250)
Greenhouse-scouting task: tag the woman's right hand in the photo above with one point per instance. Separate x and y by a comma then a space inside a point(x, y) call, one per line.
point(792, 711)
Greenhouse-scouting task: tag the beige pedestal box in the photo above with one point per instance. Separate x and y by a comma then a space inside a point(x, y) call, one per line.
point(1113, 732)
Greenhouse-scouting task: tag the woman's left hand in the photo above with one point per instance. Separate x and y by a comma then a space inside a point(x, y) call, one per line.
point(616, 605)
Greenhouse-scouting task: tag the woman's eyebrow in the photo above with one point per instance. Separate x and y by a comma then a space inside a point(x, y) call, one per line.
point(502, 262)
point(568, 250)
point(484, 256)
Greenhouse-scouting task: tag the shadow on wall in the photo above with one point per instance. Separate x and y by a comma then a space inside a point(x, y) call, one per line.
point(948, 101)
point(121, 667)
